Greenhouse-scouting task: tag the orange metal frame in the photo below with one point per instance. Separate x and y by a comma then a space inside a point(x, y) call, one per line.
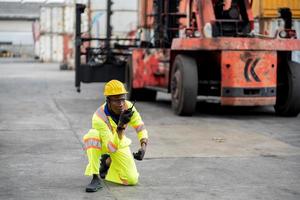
point(229, 43)
point(248, 66)
point(150, 67)
point(248, 77)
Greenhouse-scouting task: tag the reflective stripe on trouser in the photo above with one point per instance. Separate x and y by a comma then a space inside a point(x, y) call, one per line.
point(122, 169)
point(92, 144)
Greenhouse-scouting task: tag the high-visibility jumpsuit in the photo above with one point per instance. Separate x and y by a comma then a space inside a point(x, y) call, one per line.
point(103, 138)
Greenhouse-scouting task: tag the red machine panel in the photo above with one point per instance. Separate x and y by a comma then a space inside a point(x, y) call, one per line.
point(150, 67)
point(248, 77)
point(231, 43)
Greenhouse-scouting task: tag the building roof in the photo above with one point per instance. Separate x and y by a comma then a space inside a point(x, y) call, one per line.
point(18, 10)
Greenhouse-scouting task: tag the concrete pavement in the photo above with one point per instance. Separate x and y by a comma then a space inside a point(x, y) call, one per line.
point(217, 154)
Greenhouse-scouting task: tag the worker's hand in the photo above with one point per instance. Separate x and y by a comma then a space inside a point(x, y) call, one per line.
point(125, 117)
point(140, 154)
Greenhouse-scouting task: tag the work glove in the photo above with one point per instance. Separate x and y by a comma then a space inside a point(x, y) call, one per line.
point(125, 117)
point(139, 155)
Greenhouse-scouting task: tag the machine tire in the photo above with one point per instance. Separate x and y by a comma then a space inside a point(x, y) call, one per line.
point(184, 85)
point(288, 90)
point(136, 94)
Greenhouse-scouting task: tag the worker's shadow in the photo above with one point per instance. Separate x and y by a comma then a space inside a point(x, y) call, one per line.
point(109, 184)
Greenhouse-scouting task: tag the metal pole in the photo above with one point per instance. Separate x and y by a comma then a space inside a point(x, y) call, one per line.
point(108, 29)
point(79, 9)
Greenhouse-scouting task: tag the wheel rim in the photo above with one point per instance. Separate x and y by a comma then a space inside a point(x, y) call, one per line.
point(176, 86)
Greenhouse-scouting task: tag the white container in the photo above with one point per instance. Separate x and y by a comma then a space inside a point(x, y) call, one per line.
point(57, 18)
point(117, 5)
point(129, 5)
point(45, 20)
point(69, 19)
point(45, 47)
point(256, 26)
point(296, 54)
point(70, 2)
point(269, 26)
point(124, 17)
point(57, 48)
point(98, 4)
point(84, 22)
point(80, 1)
point(121, 21)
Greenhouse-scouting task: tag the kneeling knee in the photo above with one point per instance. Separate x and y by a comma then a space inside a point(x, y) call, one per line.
point(133, 180)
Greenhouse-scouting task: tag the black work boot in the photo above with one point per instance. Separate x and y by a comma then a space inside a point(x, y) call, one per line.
point(103, 166)
point(95, 185)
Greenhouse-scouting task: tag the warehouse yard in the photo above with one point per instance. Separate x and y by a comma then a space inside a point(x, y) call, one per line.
point(219, 153)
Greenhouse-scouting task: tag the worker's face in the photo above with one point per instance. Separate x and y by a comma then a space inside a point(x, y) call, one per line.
point(116, 103)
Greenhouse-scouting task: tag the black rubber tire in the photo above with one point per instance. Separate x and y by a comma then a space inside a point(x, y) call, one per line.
point(63, 66)
point(136, 94)
point(288, 90)
point(184, 85)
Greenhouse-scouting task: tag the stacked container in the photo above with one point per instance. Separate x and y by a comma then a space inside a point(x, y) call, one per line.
point(57, 27)
point(267, 22)
point(123, 19)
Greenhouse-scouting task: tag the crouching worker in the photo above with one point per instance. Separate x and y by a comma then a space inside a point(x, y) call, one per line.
point(107, 144)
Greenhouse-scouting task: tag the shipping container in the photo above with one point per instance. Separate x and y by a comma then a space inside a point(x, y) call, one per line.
point(296, 54)
point(45, 20)
point(80, 1)
point(267, 21)
point(57, 48)
point(45, 48)
point(269, 8)
point(85, 23)
point(57, 18)
point(57, 32)
point(98, 5)
point(121, 22)
point(58, 26)
point(117, 5)
point(68, 51)
point(269, 26)
point(124, 17)
point(69, 19)
point(129, 5)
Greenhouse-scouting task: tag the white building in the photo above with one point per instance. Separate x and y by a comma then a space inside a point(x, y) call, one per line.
point(17, 23)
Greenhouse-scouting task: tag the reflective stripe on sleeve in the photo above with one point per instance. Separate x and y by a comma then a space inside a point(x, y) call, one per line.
point(111, 147)
point(94, 143)
point(139, 128)
point(101, 114)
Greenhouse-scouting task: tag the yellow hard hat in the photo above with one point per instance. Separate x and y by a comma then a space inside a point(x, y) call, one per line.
point(114, 87)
